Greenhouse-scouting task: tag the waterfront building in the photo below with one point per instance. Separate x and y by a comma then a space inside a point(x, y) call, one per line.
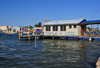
point(66, 27)
point(76, 27)
point(15, 29)
point(6, 29)
point(38, 29)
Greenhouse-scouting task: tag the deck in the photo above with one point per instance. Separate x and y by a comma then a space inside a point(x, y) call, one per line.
point(53, 36)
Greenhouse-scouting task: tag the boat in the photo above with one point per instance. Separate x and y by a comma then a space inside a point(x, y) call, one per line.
point(1, 32)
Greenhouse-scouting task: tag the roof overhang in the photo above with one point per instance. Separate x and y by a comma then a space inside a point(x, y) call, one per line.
point(60, 24)
point(89, 23)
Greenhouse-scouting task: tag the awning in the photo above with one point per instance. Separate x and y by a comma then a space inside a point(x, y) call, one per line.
point(90, 22)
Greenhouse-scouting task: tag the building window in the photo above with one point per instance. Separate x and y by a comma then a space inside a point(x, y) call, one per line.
point(74, 26)
point(55, 28)
point(63, 28)
point(70, 26)
point(47, 28)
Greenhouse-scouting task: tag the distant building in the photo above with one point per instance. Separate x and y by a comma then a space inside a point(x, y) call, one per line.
point(16, 29)
point(3, 28)
point(7, 29)
point(47, 20)
point(38, 29)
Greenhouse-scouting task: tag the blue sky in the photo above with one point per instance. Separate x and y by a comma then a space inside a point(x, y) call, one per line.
point(31, 12)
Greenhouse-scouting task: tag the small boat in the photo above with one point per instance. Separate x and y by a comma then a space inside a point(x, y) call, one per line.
point(1, 32)
point(25, 32)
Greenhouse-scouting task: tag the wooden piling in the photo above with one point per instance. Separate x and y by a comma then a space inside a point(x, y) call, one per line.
point(28, 37)
point(19, 36)
point(41, 33)
point(75, 38)
point(35, 41)
point(63, 38)
point(90, 39)
point(53, 37)
point(37, 38)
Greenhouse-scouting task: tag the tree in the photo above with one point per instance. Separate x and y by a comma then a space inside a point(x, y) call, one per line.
point(38, 25)
point(89, 28)
point(26, 27)
point(96, 29)
point(30, 27)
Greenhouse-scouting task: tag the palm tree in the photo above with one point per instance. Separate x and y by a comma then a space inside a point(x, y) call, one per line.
point(26, 27)
point(30, 27)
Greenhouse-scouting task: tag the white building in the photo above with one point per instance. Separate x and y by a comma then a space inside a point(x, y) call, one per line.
point(66, 27)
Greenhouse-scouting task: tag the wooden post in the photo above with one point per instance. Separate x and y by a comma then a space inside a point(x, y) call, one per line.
point(63, 38)
point(33, 33)
point(90, 39)
point(28, 37)
point(53, 37)
point(97, 30)
point(37, 38)
point(75, 38)
point(41, 33)
point(43, 37)
point(35, 41)
point(19, 36)
point(93, 29)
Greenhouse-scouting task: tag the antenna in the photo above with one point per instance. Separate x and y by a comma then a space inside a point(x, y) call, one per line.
point(93, 13)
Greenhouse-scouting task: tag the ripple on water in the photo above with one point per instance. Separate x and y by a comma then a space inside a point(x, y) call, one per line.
point(48, 53)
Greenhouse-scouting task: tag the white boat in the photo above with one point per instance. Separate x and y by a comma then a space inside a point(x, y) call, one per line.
point(1, 32)
point(25, 32)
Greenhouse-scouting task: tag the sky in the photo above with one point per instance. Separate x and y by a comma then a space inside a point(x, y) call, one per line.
point(31, 12)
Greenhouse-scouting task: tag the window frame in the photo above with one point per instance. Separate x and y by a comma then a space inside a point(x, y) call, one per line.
point(63, 28)
point(55, 28)
point(48, 28)
point(70, 26)
point(74, 26)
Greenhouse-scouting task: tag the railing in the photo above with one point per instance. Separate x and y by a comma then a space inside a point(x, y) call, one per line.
point(90, 33)
point(34, 33)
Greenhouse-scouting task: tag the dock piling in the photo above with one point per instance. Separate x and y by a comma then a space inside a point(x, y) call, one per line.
point(19, 36)
point(75, 38)
point(53, 37)
point(41, 33)
point(28, 37)
point(37, 38)
point(63, 38)
point(90, 39)
point(35, 41)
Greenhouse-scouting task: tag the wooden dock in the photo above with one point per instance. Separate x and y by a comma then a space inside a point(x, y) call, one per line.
point(53, 36)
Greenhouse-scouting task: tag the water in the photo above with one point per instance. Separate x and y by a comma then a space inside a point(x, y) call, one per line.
point(48, 53)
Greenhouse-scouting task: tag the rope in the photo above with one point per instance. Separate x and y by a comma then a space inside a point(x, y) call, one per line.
point(94, 13)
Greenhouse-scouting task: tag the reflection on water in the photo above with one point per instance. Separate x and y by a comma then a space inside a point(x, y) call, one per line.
point(48, 53)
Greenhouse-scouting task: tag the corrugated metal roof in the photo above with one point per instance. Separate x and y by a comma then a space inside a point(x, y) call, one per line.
point(91, 21)
point(77, 21)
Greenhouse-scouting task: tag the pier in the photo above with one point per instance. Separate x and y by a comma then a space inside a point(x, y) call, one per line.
point(67, 28)
point(36, 35)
